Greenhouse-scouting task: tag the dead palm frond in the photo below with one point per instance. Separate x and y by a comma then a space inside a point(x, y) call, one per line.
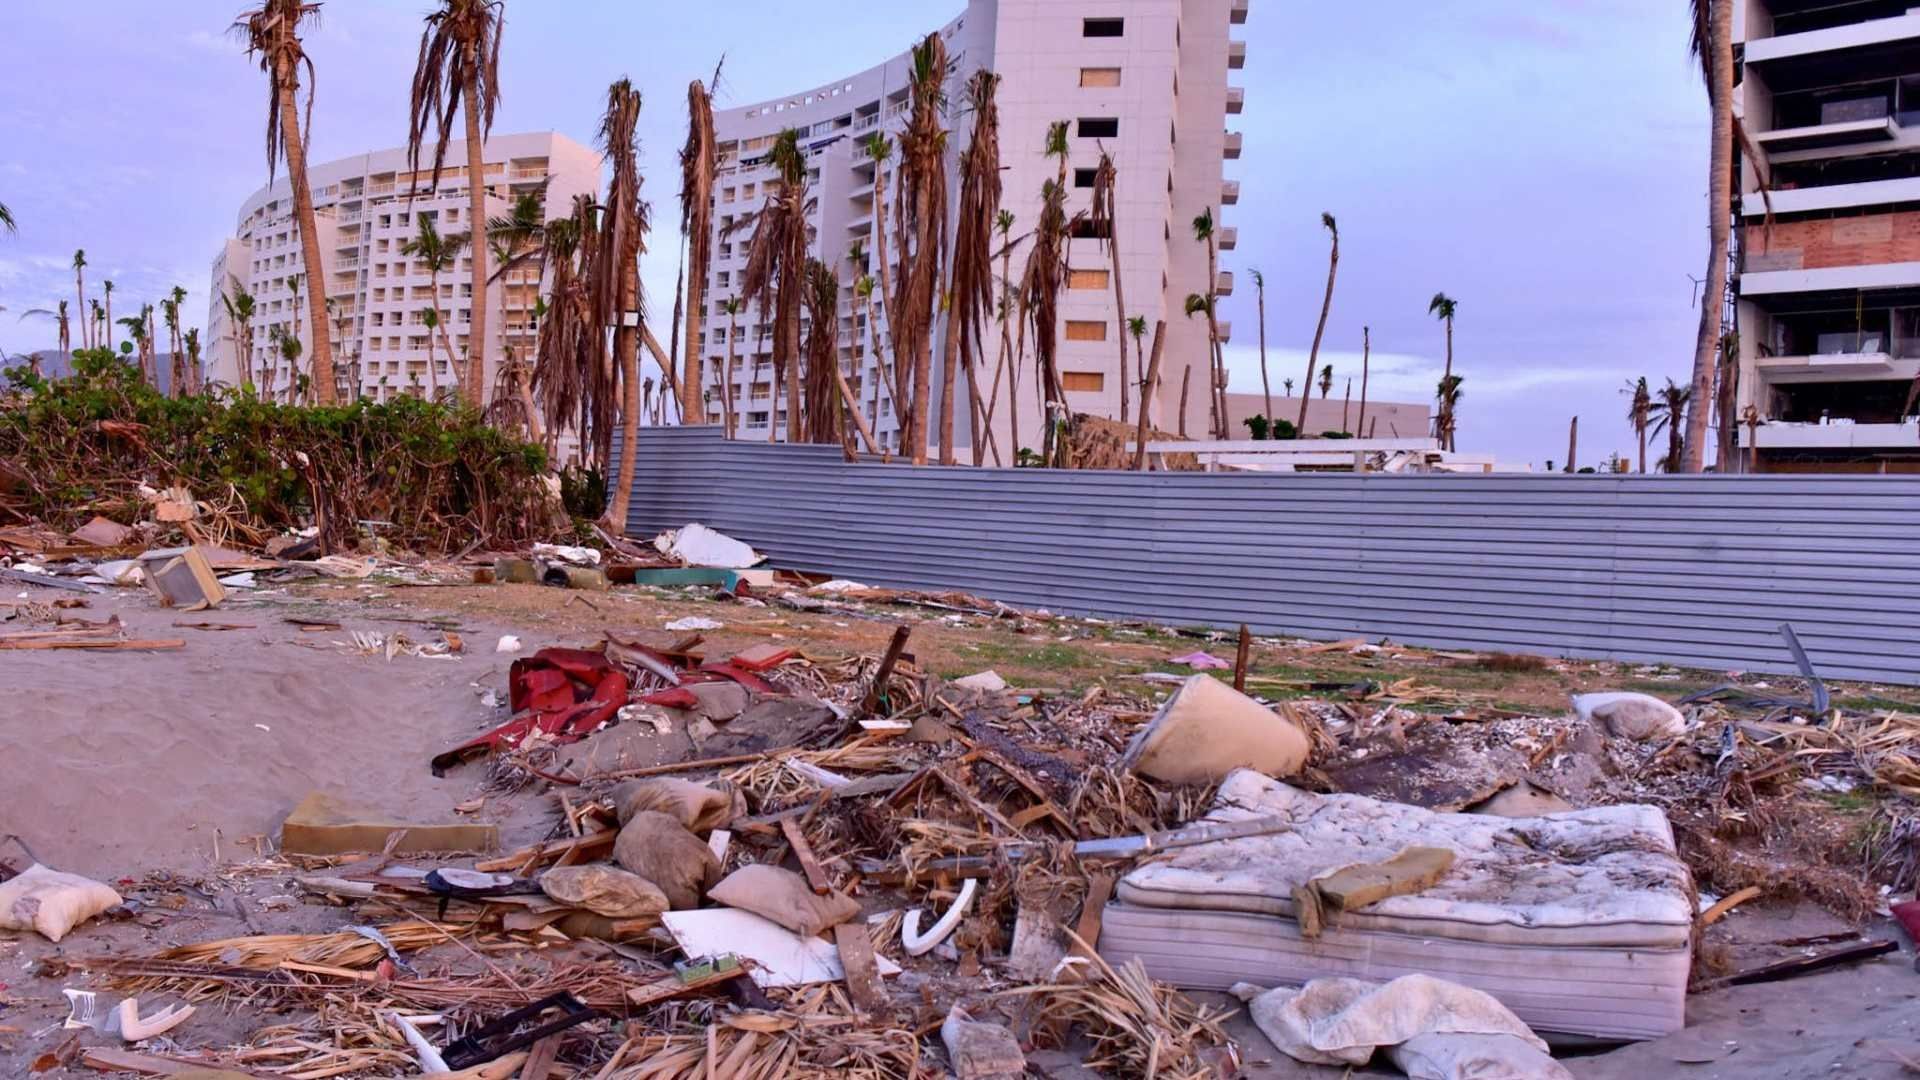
point(698, 160)
point(970, 293)
point(614, 285)
point(821, 386)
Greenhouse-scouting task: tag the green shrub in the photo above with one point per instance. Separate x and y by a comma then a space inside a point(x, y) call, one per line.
point(440, 477)
point(1283, 429)
point(1258, 425)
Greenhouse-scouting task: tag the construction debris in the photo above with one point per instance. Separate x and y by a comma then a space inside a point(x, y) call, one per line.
point(326, 824)
point(1207, 729)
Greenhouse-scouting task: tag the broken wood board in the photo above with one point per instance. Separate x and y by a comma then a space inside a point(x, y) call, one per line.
point(325, 825)
point(780, 956)
point(862, 968)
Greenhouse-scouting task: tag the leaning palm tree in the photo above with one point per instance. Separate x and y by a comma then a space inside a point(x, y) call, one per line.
point(1712, 42)
point(1639, 412)
point(920, 214)
point(1326, 305)
point(698, 160)
point(1669, 415)
point(970, 286)
point(459, 70)
point(776, 268)
point(616, 284)
point(272, 32)
point(1444, 307)
point(1266, 387)
point(1103, 216)
point(439, 253)
point(1216, 381)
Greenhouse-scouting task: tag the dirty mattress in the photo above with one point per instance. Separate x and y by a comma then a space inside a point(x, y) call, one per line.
point(1579, 922)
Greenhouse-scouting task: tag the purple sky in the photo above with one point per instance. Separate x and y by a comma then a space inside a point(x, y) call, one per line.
point(1542, 163)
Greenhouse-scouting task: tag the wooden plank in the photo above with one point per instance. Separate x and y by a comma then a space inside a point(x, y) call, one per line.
point(540, 1057)
point(670, 987)
point(529, 857)
point(1099, 891)
point(863, 972)
point(803, 851)
point(111, 1059)
point(96, 643)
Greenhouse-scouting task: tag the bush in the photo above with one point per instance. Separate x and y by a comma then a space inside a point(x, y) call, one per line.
point(1336, 434)
point(1257, 423)
point(442, 478)
point(1282, 429)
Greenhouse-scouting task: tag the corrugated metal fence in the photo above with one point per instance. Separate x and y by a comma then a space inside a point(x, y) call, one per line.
point(1695, 570)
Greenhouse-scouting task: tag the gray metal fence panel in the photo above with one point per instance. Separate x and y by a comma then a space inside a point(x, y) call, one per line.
point(1694, 570)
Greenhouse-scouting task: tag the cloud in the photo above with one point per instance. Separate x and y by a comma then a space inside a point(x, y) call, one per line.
point(208, 41)
point(1405, 376)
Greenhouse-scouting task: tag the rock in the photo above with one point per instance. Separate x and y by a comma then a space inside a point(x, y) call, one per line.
point(1207, 729)
point(1628, 715)
point(604, 890)
point(988, 680)
point(980, 1051)
point(660, 849)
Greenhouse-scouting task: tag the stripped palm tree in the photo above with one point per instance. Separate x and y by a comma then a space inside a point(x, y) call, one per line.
point(439, 253)
point(101, 332)
point(1136, 327)
point(1639, 414)
point(143, 344)
point(879, 150)
point(518, 238)
point(572, 344)
point(616, 281)
point(920, 216)
point(1712, 43)
point(970, 286)
point(1009, 359)
point(1444, 308)
point(776, 266)
point(106, 292)
point(822, 383)
point(1106, 227)
point(240, 307)
point(1326, 306)
point(272, 33)
point(1203, 232)
point(698, 160)
point(1669, 415)
point(1449, 395)
point(196, 374)
point(1266, 388)
point(458, 70)
point(729, 422)
point(170, 312)
point(1040, 307)
point(80, 296)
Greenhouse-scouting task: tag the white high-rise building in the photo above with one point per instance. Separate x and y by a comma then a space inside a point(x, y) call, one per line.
point(1144, 79)
point(367, 207)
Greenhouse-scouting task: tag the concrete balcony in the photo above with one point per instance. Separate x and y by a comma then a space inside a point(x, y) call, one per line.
point(1238, 12)
point(1822, 136)
point(1233, 144)
point(1229, 192)
point(1834, 197)
point(1229, 238)
point(1844, 435)
point(1808, 46)
point(1236, 100)
point(1236, 55)
point(1898, 275)
point(1223, 283)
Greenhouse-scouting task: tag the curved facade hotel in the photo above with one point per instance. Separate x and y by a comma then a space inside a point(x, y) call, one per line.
point(1146, 79)
point(380, 342)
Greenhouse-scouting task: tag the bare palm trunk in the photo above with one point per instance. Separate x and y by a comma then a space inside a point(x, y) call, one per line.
point(1186, 384)
point(321, 358)
point(1719, 211)
point(1266, 386)
point(1216, 395)
point(1146, 392)
point(475, 375)
point(1366, 363)
point(1445, 419)
point(1319, 331)
point(691, 374)
point(922, 326)
point(949, 366)
point(626, 353)
point(733, 333)
point(80, 300)
point(1640, 429)
point(1119, 308)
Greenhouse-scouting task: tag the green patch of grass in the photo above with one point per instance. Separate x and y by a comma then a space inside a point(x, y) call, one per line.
point(1031, 656)
point(1858, 801)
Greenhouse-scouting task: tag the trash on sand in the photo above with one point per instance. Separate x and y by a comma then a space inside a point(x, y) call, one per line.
point(507, 644)
point(651, 715)
point(1630, 715)
point(783, 897)
point(988, 680)
point(697, 545)
point(568, 553)
point(919, 944)
point(660, 849)
point(238, 581)
point(103, 532)
point(1201, 661)
point(980, 1051)
point(780, 957)
point(325, 824)
point(182, 578)
point(567, 576)
point(131, 1026)
point(516, 1030)
point(51, 903)
point(1432, 1029)
point(1522, 798)
point(123, 572)
point(1319, 902)
point(561, 693)
point(510, 570)
point(695, 622)
point(604, 890)
point(1207, 729)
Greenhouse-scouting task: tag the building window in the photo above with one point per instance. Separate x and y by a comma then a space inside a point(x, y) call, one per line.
point(1083, 178)
point(1087, 381)
point(1086, 330)
point(1099, 78)
point(1085, 228)
point(1099, 127)
point(1103, 28)
point(1087, 279)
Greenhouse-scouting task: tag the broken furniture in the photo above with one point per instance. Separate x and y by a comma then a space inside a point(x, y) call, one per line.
point(1579, 922)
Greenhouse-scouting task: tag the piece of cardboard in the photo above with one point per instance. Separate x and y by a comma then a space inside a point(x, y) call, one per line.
point(324, 824)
